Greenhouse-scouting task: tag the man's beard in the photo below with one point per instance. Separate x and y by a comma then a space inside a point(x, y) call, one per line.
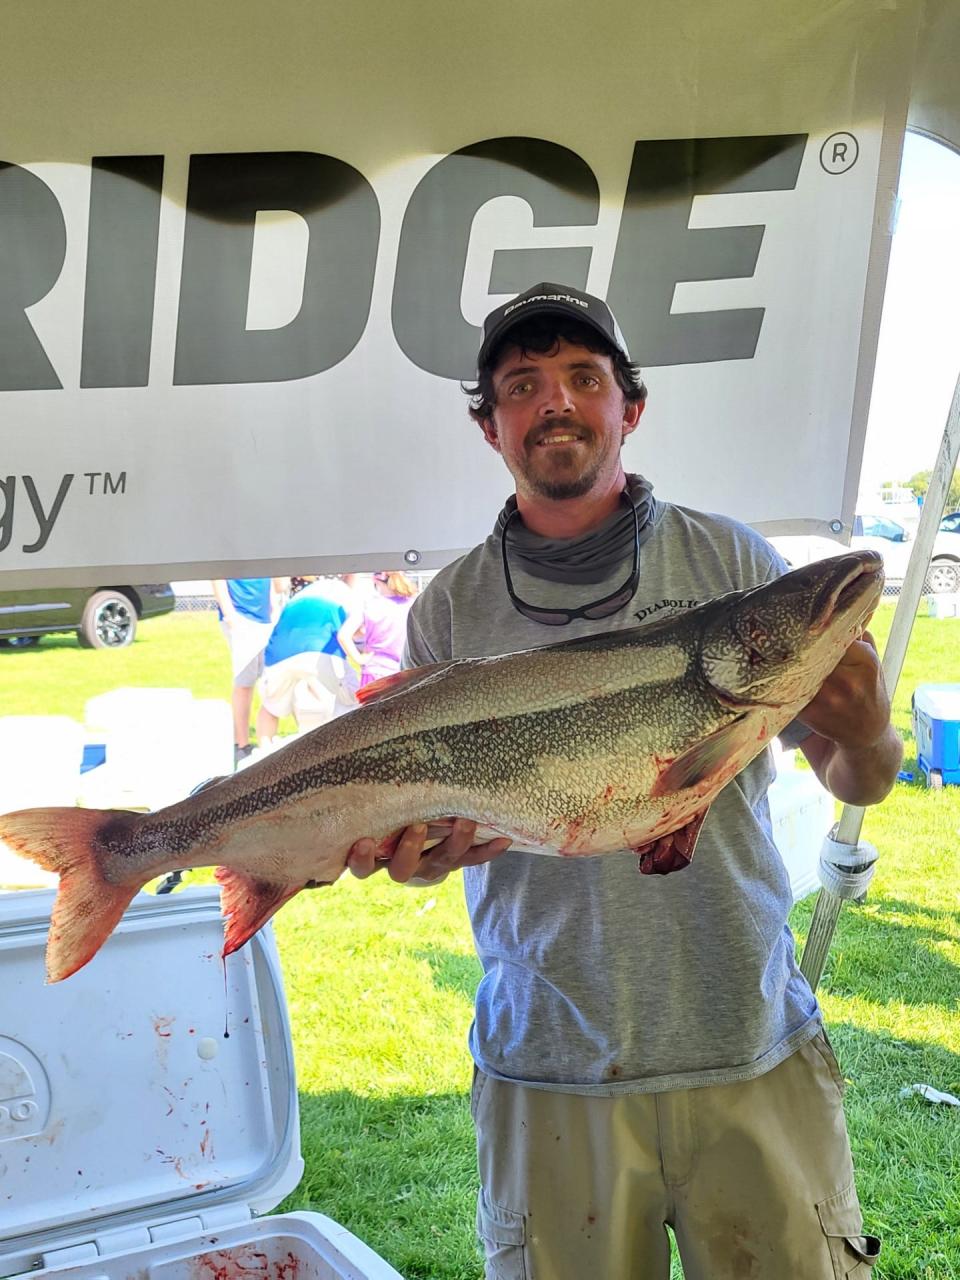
point(559, 488)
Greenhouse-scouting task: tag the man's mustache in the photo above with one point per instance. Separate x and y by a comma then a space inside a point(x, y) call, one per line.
point(541, 433)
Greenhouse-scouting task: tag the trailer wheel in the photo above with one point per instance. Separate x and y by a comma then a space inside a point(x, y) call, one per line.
point(943, 576)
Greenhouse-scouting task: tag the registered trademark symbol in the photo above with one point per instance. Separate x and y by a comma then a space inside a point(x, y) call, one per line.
point(839, 153)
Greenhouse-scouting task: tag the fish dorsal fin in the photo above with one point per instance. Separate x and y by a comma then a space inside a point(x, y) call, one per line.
point(398, 680)
point(704, 759)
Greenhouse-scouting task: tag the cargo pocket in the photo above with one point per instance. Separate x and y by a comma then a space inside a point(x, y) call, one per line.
point(502, 1234)
point(851, 1253)
point(476, 1088)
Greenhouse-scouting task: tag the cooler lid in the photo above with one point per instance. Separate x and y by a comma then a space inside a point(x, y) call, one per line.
point(940, 701)
point(121, 1101)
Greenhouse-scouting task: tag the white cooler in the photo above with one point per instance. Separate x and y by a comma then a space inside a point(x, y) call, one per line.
point(135, 1139)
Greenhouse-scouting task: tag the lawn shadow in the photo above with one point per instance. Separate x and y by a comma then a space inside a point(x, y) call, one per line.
point(899, 906)
point(886, 1063)
point(885, 959)
point(451, 970)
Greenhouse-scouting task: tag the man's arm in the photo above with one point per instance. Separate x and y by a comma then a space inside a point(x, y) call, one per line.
point(222, 596)
point(345, 638)
point(854, 749)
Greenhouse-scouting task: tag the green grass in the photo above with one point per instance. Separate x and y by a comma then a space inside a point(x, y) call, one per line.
point(380, 982)
point(57, 676)
point(178, 650)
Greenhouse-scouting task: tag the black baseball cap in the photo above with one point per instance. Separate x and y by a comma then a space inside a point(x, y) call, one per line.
point(550, 299)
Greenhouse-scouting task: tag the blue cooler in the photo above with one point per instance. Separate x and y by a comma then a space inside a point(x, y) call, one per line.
point(936, 727)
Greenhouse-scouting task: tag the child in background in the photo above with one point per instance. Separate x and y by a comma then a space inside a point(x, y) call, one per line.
point(381, 625)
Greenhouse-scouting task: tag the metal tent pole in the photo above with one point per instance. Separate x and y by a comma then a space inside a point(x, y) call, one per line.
point(847, 834)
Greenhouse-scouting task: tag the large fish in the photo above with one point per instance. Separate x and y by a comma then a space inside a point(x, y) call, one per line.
point(615, 741)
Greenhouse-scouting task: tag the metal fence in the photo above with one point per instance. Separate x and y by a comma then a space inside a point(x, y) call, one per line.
point(194, 604)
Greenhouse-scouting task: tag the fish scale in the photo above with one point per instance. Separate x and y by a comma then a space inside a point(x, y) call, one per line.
point(583, 747)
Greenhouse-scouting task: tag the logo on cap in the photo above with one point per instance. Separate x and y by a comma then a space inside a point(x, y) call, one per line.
point(546, 297)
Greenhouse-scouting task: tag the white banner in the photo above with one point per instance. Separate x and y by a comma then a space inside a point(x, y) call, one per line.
point(245, 251)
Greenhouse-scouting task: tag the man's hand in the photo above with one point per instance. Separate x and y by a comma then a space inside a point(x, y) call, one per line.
point(852, 708)
point(856, 752)
point(410, 865)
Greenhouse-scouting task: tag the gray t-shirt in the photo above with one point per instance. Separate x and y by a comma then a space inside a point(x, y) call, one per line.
point(597, 979)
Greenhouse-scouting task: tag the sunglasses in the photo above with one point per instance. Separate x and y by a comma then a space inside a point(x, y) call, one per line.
point(610, 604)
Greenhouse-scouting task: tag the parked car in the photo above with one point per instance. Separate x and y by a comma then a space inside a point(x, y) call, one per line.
point(103, 617)
point(950, 522)
point(879, 527)
point(892, 540)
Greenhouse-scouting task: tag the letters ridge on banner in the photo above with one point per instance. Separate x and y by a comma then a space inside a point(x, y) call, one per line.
point(341, 210)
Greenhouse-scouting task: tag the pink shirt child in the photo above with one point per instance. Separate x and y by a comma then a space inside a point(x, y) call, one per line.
point(384, 634)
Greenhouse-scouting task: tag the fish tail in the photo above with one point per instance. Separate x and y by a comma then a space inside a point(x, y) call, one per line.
point(247, 904)
point(88, 907)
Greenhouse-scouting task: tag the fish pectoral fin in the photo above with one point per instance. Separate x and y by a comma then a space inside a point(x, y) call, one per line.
point(672, 852)
point(704, 759)
point(247, 904)
point(439, 828)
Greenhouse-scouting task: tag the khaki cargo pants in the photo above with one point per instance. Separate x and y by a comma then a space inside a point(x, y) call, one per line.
point(755, 1180)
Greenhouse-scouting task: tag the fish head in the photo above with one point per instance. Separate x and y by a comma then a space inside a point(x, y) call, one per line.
point(776, 644)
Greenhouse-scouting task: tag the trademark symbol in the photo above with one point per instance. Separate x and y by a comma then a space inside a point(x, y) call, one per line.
point(839, 153)
point(103, 482)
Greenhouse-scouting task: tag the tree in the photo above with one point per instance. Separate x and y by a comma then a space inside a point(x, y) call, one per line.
point(920, 483)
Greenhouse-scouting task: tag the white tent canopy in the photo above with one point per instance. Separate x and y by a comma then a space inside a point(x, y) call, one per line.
point(935, 92)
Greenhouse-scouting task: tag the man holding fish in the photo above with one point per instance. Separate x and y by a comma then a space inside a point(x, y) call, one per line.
point(647, 1051)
